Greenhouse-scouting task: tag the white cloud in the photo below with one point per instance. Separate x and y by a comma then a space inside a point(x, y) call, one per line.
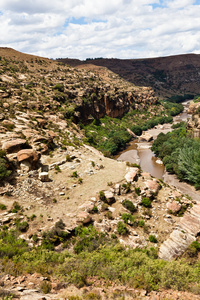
point(114, 28)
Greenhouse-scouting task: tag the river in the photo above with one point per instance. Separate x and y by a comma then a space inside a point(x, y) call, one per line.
point(140, 153)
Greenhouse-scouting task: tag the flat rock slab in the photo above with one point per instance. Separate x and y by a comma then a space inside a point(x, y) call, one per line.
point(179, 240)
point(29, 155)
point(13, 145)
point(132, 174)
point(130, 156)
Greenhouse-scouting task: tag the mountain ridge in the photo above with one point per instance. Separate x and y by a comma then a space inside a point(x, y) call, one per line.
point(168, 76)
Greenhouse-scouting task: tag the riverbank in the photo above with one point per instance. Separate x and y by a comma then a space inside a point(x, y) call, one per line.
point(140, 153)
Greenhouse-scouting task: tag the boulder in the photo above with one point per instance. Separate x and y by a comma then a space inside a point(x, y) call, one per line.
point(132, 174)
point(44, 176)
point(109, 196)
point(153, 186)
point(13, 145)
point(145, 137)
point(174, 206)
point(87, 206)
point(29, 155)
point(175, 245)
point(83, 217)
point(117, 189)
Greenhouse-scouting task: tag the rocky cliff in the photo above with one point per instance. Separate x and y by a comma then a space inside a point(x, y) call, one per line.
point(194, 123)
point(29, 82)
point(168, 76)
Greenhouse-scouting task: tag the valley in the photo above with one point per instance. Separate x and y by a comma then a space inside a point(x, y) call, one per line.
point(75, 223)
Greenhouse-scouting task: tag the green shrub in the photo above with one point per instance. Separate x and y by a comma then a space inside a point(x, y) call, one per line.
point(141, 223)
point(59, 87)
point(193, 249)
point(22, 226)
point(153, 239)
point(127, 187)
point(146, 202)
point(102, 196)
point(3, 206)
point(75, 174)
point(95, 209)
point(137, 129)
point(4, 172)
point(32, 217)
point(137, 191)
point(57, 168)
point(35, 238)
point(121, 228)
point(16, 207)
point(45, 287)
point(129, 205)
point(128, 218)
point(68, 158)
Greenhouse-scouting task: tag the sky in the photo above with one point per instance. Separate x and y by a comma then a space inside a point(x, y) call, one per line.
point(101, 28)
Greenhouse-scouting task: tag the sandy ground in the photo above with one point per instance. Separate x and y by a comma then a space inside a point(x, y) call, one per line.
point(130, 156)
point(185, 188)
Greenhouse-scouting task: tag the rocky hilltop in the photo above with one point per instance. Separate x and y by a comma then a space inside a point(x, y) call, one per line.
point(168, 76)
point(42, 84)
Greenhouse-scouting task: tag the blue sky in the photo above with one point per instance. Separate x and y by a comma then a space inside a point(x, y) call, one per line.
point(101, 28)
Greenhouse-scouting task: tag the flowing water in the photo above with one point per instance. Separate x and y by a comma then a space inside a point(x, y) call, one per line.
point(140, 153)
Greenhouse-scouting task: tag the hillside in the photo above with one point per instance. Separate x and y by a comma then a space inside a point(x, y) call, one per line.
point(168, 76)
point(75, 224)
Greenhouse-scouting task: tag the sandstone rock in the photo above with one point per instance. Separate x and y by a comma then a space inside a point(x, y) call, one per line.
point(41, 122)
point(117, 189)
point(87, 206)
point(175, 245)
point(44, 176)
point(174, 206)
point(153, 186)
point(28, 155)
point(40, 138)
point(13, 145)
point(146, 175)
point(109, 196)
point(132, 174)
point(83, 217)
point(7, 123)
point(145, 137)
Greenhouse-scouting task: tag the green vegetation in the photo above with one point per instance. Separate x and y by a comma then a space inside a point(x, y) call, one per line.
point(102, 196)
point(45, 287)
point(146, 202)
point(110, 135)
point(16, 207)
point(4, 165)
point(97, 254)
point(74, 174)
point(180, 98)
point(128, 218)
point(153, 239)
point(129, 205)
point(180, 154)
point(121, 228)
point(3, 206)
point(22, 226)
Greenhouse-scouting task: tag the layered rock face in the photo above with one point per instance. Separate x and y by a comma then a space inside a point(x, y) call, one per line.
point(194, 123)
point(114, 104)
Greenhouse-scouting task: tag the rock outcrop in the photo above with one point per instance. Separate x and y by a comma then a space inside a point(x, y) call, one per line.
point(183, 236)
point(13, 145)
